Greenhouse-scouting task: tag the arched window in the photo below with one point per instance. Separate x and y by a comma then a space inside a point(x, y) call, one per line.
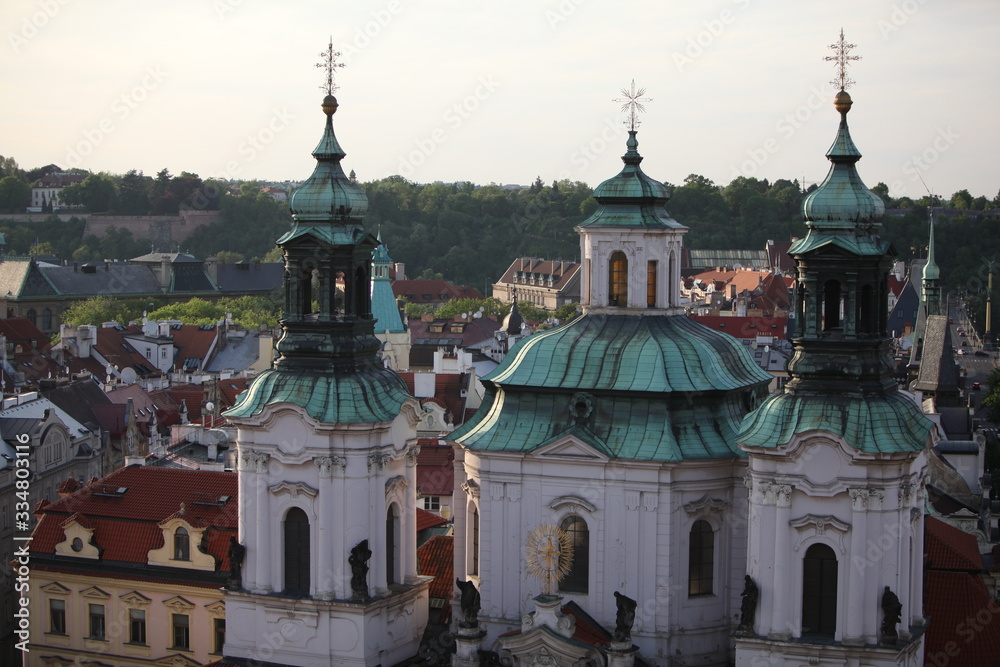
point(651, 283)
point(618, 279)
point(182, 544)
point(819, 591)
point(866, 318)
point(392, 544)
point(701, 559)
point(32, 316)
point(578, 577)
point(46, 319)
point(361, 287)
point(296, 552)
point(474, 543)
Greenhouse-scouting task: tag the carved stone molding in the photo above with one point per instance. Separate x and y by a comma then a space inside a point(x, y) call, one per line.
point(571, 501)
point(496, 491)
point(471, 488)
point(864, 499)
point(254, 461)
point(650, 501)
point(705, 504)
point(632, 500)
point(773, 493)
point(905, 494)
point(411, 455)
point(294, 489)
point(393, 484)
point(812, 525)
point(377, 462)
point(513, 492)
point(328, 465)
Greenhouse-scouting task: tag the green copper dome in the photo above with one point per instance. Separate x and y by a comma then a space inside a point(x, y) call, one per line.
point(631, 199)
point(884, 424)
point(328, 195)
point(372, 395)
point(630, 353)
point(658, 387)
point(842, 201)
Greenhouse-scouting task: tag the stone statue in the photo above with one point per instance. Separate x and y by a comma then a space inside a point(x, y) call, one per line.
point(470, 603)
point(625, 617)
point(748, 608)
point(891, 610)
point(236, 553)
point(359, 570)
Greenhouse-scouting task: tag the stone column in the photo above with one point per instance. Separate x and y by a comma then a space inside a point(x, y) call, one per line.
point(266, 526)
point(782, 564)
point(622, 654)
point(853, 632)
point(468, 641)
point(324, 531)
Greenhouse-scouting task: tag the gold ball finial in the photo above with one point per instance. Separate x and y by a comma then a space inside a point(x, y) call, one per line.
point(330, 105)
point(842, 102)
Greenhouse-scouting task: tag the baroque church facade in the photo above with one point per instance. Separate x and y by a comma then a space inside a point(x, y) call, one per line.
point(627, 488)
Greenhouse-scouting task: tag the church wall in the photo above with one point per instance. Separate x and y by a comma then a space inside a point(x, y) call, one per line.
point(639, 515)
point(639, 248)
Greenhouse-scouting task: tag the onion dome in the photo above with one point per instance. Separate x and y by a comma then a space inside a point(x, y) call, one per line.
point(842, 201)
point(631, 199)
point(512, 322)
point(328, 195)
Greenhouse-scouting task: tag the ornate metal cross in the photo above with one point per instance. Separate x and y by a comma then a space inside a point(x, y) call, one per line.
point(632, 102)
point(329, 62)
point(842, 48)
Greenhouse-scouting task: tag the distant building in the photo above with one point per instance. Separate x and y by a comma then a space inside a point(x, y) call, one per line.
point(46, 190)
point(432, 291)
point(543, 283)
point(130, 568)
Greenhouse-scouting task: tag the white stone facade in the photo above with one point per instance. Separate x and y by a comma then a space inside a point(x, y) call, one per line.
point(346, 478)
point(639, 516)
point(868, 509)
point(640, 247)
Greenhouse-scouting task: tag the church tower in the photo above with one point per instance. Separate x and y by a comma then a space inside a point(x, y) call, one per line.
point(327, 474)
point(614, 435)
point(931, 279)
point(836, 461)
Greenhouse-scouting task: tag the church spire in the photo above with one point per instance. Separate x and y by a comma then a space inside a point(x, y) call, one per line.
point(931, 277)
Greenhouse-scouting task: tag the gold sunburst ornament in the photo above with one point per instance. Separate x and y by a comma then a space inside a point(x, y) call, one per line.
point(549, 555)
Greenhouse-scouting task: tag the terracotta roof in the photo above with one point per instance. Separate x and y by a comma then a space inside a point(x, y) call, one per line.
point(960, 610)
point(111, 418)
point(436, 469)
point(745, 327)
point(231, 388)
point(69, 485)
point(427, 519)
point(562, 273)
point(949, 548)
point(193, 344)
point(476, 331)
point(126, 507)
point(20, 330)
point(113, 346)
point(433, 291)
point(435, 558)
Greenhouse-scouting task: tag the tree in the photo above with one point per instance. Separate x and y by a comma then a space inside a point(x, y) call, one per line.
point(961, 200)
point(195, 311)
point(97, 193)
point(99, 309)
point(133, 194)
point(567, 311)
point(491, 306)
point(992, 399)
point(15, 194)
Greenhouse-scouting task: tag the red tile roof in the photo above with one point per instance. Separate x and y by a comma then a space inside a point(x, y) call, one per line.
point(432, 291)
point(960, 632)
point(436, 558)
point(20, 331)
point(192, 342)
point(436, 469)
point(949, 548)
point(126, 524)
point(230, 389)
point(745, 327)
point(113, 346)
point(427, 519)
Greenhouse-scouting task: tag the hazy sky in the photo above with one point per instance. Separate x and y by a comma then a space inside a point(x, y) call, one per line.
point(504, 91)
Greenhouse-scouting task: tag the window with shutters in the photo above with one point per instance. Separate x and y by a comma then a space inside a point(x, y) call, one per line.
point(296, 534)
point(819, 591)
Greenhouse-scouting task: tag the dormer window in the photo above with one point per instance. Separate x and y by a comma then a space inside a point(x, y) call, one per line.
point(182, 544)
